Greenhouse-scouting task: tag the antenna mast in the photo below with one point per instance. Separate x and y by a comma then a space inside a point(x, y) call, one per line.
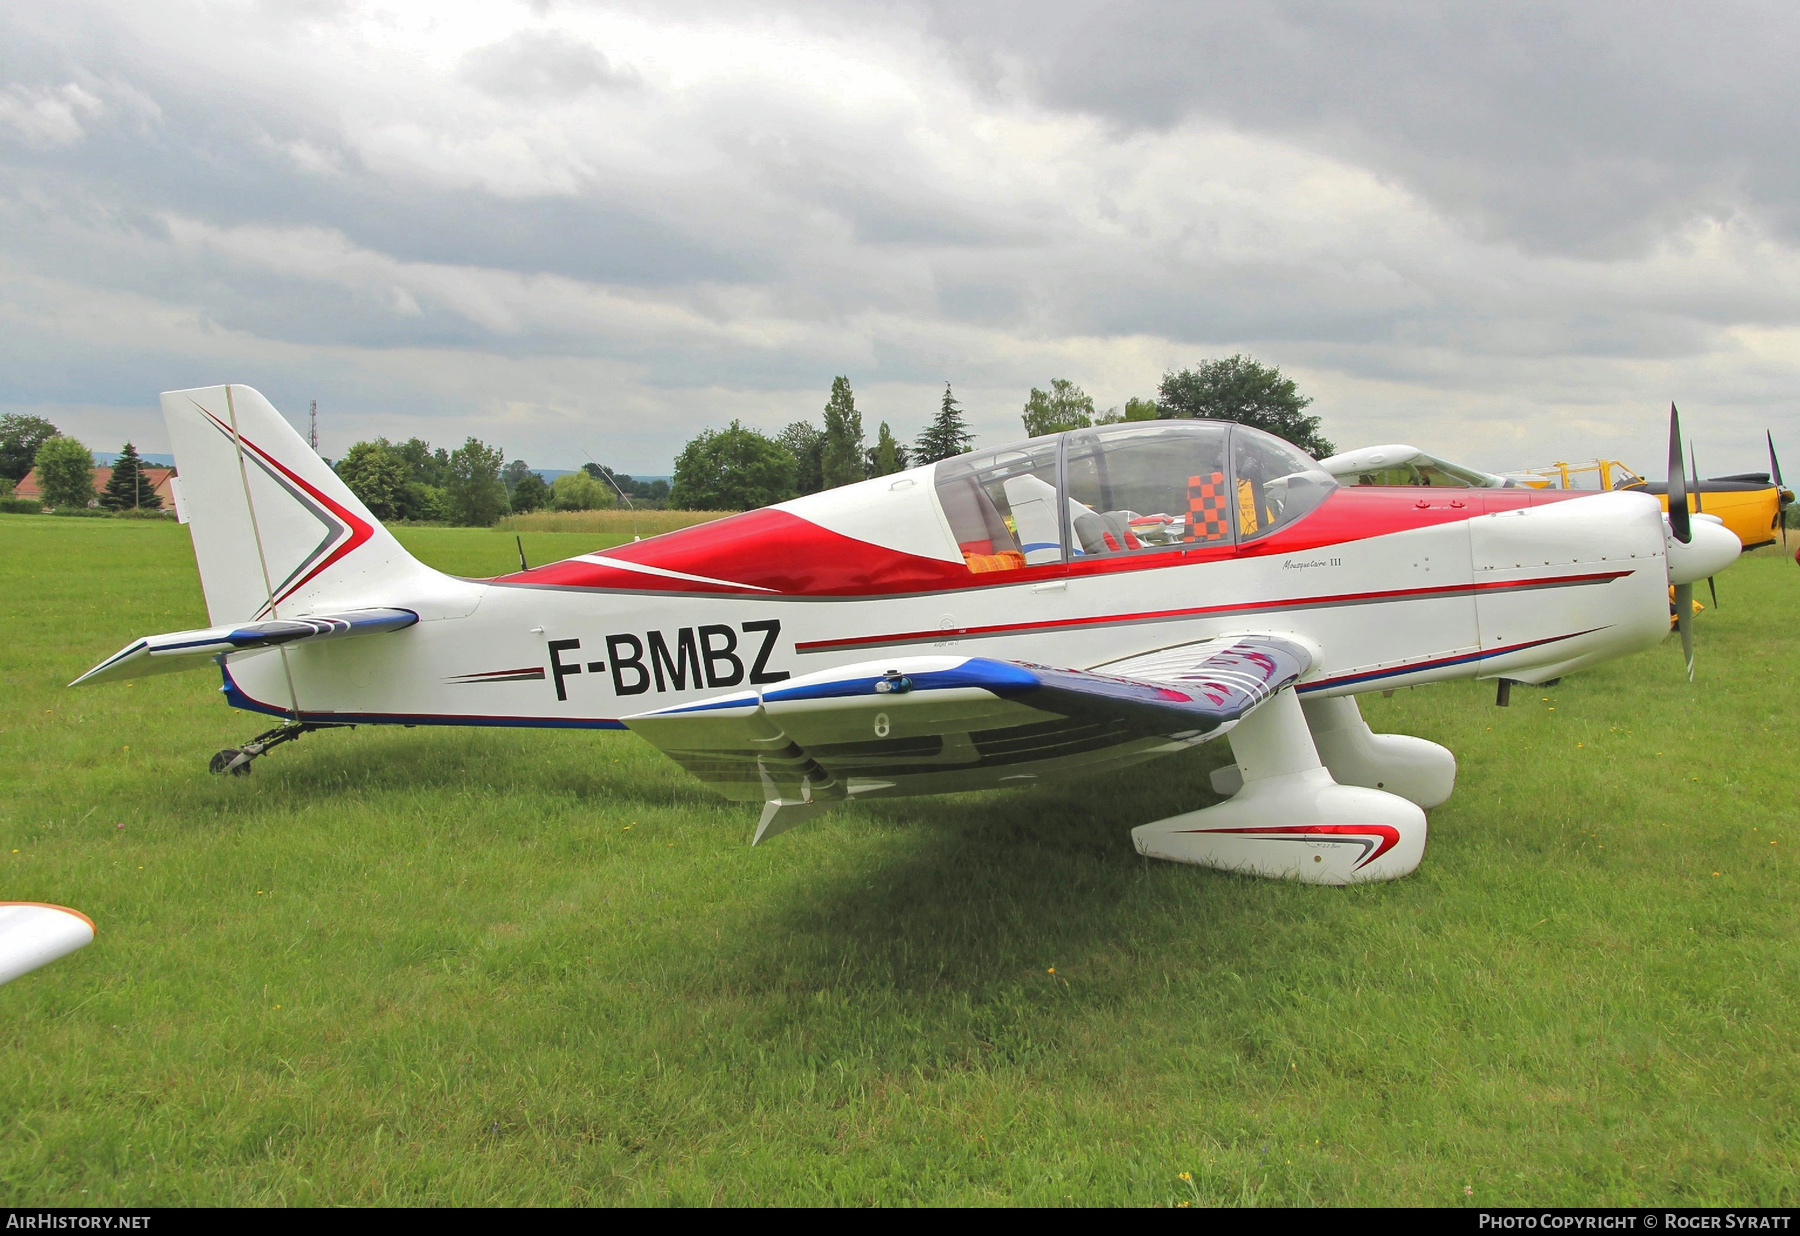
point(312, 422)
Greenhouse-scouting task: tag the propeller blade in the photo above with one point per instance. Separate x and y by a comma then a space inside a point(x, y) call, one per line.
point(1678, 505)
point(1713, 588)
point(1694, 486)
point(1684, 622)
point(1775, 472)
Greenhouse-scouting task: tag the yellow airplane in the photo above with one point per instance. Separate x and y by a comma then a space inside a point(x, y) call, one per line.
point(1750, 504)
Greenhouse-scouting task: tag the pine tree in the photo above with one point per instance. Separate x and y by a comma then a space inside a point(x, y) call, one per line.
point(128, 489)
point(945, 436)
point(842, 460)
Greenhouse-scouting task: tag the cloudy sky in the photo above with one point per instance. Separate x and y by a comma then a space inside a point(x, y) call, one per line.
point(1507, 232)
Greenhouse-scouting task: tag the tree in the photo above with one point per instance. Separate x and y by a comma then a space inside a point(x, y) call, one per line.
point(1141, 409)
point(579, 491)
point(20, 437)
point(841, 460)
point(428, 467)
point(425, 494)
point(1248, 392)
point(947, 434)
point(530, 493)
point(65, 470)
point(1064, 406)
point(513, 473)
point(428, 503)
point(732, 469)
point(887, 456)
point(376, 474)
point(477, 496)
point(806, 443)
point(128, 489)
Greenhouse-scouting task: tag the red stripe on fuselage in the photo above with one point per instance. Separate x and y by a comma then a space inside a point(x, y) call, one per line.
point(782, 553)
point(1209, 611)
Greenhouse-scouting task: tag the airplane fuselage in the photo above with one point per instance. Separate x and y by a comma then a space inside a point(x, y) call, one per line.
point(1390, 588)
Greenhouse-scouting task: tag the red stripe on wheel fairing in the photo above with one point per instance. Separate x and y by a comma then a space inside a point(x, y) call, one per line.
point(1207, 611)
point(1389, 835)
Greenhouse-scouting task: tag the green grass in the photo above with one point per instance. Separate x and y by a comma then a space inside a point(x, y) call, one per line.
point(504, 967)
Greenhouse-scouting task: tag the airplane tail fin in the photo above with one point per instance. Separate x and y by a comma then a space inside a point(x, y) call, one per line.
point(275, 531)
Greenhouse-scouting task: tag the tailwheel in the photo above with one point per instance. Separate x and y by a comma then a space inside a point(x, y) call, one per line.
point(231, 760)
point(236, 760)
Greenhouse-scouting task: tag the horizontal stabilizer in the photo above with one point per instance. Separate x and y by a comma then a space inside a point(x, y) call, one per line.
point(181, 650)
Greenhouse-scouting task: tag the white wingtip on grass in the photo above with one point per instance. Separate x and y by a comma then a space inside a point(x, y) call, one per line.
point(34, 934)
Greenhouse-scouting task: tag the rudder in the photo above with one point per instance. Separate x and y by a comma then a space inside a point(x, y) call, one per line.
point(275, 530)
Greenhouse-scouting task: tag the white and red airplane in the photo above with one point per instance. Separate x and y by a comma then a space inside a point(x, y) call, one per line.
point(1042, 611)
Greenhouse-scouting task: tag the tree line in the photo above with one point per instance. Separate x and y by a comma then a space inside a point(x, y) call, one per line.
point(734, 468)
point(472, 486)
point(65, 470)
point(737, 468)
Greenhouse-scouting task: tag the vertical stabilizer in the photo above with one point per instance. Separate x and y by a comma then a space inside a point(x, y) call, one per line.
point(275, 531)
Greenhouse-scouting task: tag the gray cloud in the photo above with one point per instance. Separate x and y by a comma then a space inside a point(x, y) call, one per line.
point(541, 65)
point(1582, 128)
point(1512, 231)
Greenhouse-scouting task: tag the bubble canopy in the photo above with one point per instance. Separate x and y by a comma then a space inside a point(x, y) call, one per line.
point(1138, 488)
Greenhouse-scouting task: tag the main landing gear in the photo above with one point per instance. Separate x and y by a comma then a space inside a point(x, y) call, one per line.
point(236, 760)
point(1315, 796)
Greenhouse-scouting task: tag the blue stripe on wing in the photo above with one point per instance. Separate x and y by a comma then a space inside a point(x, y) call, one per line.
point(1214, 691)
point(1002, 678)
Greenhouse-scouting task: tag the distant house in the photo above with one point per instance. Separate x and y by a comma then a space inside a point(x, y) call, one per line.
point(160, 480)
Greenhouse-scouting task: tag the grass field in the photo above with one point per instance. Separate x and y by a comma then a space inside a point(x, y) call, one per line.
point(621, 523)
point(465, 967)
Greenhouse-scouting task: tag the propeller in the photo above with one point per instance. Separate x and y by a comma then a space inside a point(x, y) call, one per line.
point(1775, 473)
point(1678, 505)
point(1694, 463)
point(1683, 531)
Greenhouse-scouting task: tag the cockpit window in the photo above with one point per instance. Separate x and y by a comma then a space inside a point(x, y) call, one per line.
point(1433, 473)
point(1133, 488)
point(1276, 483)
point(1137, 488)
point(1001, 505)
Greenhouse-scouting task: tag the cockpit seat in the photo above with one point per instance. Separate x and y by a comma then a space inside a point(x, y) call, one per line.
point(1007, 560)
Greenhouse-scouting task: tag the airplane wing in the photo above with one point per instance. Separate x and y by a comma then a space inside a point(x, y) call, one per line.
point(181, 650)
point(34, 934)
point(920, 725)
